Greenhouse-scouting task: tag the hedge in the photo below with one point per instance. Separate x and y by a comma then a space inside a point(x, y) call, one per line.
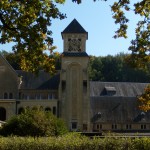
point(73, 142)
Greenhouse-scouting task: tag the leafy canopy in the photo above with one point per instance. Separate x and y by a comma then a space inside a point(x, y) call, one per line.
point(115, 69)
point(27, 24)
point(144, 100)
point(140, 46)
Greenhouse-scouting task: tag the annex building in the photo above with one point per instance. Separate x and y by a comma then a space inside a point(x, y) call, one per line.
point(84, 105)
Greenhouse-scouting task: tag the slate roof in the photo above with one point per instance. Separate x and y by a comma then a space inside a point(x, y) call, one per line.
point(75, 54)
point(41, 81)
point(51, 84)
point(122, 89)
point(117, 110)
point(74, 27)
point(121, 106)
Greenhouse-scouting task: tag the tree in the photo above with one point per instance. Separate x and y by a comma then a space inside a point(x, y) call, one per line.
point(144, 100)
point(34, 122)
point(140, 46)
point(115, 69)
point(14, 59)
point(26, 23)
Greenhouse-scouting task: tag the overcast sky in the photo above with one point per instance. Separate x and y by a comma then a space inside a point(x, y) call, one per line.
point(96, 19)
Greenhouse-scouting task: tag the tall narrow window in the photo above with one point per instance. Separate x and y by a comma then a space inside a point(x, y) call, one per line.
point(63, 85)
point(84, 127)
point(74, 125)
point(84, 86)
point(54, 110)
point(101, 126)
point(10, 96)
point(5, 96)
point(2, 114)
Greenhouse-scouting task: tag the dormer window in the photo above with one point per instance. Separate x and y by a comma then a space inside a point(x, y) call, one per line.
point(108, 91)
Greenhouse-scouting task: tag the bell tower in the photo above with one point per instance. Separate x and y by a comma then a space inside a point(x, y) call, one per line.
point(74, 82)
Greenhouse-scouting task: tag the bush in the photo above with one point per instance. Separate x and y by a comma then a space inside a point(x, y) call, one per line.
point(34, 122)
point(73, 141)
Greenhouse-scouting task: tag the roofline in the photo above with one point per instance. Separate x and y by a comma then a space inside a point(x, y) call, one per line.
point(74, 33)
point(9, 65)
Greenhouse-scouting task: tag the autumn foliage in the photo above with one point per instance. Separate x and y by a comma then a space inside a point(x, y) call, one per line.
point(144, 100)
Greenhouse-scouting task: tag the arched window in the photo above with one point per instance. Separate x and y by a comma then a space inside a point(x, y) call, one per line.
point(10, 95)
point(20, 110)
point(2, 114)
point(47, 109)
point(5, 96)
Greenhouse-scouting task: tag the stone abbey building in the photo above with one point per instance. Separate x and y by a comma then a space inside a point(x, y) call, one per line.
point(84, 105)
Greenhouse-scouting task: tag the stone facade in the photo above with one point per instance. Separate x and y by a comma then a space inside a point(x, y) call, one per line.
point(84, 105)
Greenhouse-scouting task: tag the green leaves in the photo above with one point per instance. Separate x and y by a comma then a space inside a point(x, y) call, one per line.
point(27, 23)
point(115, 69)
point(34, 122)
point(144, 100)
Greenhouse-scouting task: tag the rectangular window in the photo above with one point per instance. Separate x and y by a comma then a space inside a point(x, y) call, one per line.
point(84, 127)
point(143, 126)
point(38, 96)
point(101, 126)
point(84, 86)
point(54, 110)
point(114, 126)
point(74, 125)
point(53, 95)
point(128, 126)
point(50, 96)
point(97, 126)
point(44, 96)
point(63, 85)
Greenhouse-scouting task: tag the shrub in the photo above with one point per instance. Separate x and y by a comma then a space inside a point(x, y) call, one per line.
point(73, 141)
point(34, 122)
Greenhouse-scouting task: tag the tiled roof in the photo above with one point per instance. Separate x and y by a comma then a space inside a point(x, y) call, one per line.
point(74, 27)
point(124, 89)
point(118, 107)
point(117, 110)
point(75, 54)
point(41, 81)
point(51, 84)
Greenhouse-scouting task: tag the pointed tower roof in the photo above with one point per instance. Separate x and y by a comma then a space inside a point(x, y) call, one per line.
point(74, 27)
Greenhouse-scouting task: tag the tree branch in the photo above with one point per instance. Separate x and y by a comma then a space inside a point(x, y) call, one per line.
point(5, 25)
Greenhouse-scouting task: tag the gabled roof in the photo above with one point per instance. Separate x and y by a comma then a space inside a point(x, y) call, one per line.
point(51, 84)
point(74, 27)
point(42, 81)
point(6, 63)
point(121, 89)
point(117, 110)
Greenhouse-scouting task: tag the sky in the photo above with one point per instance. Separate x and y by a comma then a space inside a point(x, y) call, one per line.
point(96, 19)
